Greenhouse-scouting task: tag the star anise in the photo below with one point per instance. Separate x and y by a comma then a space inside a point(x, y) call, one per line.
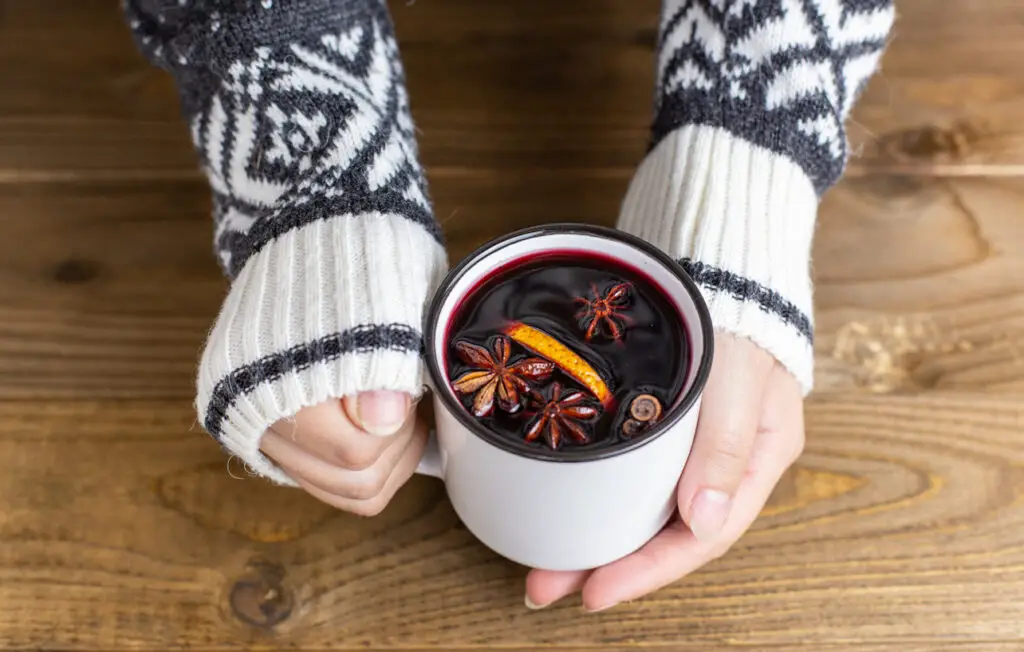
point(560, 416)
point(604, 312)
point(493, 375)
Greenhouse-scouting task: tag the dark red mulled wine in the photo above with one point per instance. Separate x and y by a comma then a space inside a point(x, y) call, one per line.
point(567, 350)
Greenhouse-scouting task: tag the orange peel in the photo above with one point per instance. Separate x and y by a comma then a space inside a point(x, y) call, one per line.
point(567, 360)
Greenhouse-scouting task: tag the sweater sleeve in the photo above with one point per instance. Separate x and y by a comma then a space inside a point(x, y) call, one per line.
point(322, 223)
point(748, 133)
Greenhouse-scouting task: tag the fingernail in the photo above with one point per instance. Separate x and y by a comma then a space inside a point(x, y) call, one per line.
point(531, 605)
point(381, 413)
point(597, 609)
point(708, 513)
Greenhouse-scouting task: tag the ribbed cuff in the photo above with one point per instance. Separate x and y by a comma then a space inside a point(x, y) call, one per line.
point(329, 309)
point(741, 220)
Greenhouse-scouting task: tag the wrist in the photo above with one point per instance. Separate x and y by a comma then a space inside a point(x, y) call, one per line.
point(740, 218)
point(329, 309)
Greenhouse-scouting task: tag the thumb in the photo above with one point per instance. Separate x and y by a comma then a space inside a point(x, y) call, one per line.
point(729, 417)
point(379, 413)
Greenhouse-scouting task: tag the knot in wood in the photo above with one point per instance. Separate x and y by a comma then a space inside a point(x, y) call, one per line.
point(937, 143)
point(259, 598)
point(74, 272)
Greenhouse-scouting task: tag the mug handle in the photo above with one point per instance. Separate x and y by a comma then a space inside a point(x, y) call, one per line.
point(430, 464)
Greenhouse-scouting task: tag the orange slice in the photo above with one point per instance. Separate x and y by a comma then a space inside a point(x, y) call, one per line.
point(567, 360)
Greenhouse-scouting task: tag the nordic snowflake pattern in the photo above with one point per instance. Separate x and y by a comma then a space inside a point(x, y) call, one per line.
point(307, 131)
point(780, 73)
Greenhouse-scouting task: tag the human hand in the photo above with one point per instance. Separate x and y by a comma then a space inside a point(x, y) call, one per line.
point(750, 430)
point(353, 453)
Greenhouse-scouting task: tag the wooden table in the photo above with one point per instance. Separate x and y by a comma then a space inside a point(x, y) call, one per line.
point(121, 526)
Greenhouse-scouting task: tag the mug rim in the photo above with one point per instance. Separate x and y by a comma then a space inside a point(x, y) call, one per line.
point(681, 409)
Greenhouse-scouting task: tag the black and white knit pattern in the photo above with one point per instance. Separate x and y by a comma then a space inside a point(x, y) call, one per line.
point(308, 120)
point(299, 113)
point(748, 132)
point(782, 74)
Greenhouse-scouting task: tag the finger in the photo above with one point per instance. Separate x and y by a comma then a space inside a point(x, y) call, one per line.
point(325, 431)
point(404, 470)
point(783, 414)
point(544, 587)
point(726, 427)
point(676, 551)
point(379, 413)
point(361, 484)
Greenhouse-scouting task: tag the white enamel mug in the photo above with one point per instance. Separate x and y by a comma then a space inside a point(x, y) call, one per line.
point(565, 510)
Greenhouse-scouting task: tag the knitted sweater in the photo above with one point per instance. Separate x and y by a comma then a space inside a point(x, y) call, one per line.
point(322, 220)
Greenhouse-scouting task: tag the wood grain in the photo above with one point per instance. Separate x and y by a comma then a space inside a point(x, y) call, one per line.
point(903, 511)
point(510, 88)
point(940, 303)
point(100, 306)
point(121, 526)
